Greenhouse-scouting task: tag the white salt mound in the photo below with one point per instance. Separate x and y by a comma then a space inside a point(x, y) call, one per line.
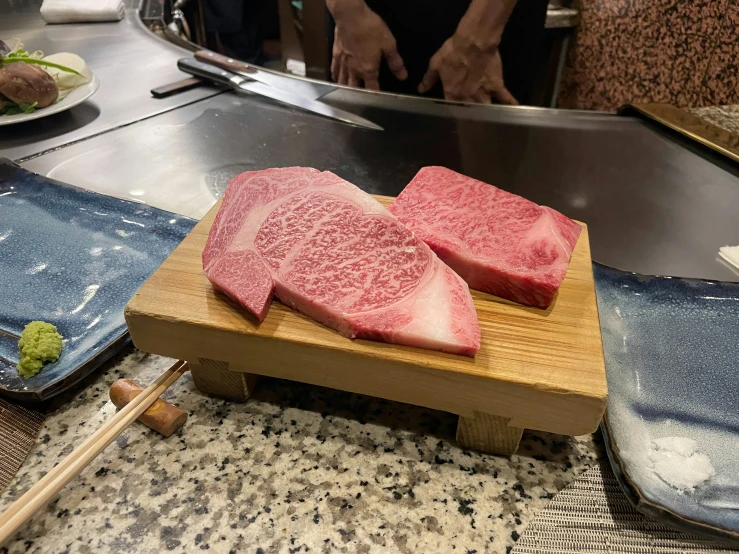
point(678, 463)
point(679, 445)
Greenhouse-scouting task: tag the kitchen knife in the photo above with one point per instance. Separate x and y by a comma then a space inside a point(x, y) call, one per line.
point(177, 87)
point(304, 88)
point(237, 82)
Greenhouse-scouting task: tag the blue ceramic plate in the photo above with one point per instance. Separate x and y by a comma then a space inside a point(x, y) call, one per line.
point(672, 361)
point(73, 258)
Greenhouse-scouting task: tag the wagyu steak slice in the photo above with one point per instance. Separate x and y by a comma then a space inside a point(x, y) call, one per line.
point(329, 250)
point(498, 242)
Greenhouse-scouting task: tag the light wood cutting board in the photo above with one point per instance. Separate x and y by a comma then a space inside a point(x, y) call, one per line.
point(536, 369)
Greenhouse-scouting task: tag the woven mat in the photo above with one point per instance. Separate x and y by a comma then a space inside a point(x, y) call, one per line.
point(19, 427)
point(592, 515)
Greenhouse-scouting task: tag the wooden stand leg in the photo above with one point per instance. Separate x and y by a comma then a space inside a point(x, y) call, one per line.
point(214, 378)
point(488, 433)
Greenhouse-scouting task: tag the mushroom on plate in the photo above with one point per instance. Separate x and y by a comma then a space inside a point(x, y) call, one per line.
point(25, 84)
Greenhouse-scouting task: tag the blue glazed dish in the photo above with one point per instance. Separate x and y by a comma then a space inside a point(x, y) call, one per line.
point(672, 362)
point(73, 258)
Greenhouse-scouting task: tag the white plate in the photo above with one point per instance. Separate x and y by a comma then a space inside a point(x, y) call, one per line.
point(77, 96)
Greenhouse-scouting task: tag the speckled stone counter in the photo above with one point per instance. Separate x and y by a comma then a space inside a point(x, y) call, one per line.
point(298, 468)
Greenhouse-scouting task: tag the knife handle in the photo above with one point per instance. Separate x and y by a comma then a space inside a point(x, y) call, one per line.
point(206, 71)
point(175, 88)
point(224, 62)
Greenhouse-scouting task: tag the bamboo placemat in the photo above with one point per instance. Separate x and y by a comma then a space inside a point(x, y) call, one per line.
point(19, 427)
point(592, 515)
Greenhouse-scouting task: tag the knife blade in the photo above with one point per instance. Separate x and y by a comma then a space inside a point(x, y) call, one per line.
point(237, 82)
point(314, 91)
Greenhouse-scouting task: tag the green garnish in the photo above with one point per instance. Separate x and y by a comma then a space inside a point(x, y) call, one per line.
point(8, 59)
point(9, 107)
point(34, 58)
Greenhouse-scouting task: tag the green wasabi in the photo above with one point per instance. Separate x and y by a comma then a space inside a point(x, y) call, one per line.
point(39, 343)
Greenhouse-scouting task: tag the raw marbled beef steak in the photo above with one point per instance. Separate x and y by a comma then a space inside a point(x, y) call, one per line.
point(334, 253)
point(498, 242)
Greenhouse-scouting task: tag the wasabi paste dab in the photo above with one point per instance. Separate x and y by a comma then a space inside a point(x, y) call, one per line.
point(39, 343)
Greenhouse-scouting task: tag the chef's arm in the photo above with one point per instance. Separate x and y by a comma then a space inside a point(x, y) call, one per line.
point(482, 25)
point(361, 40)
point(468, 64)
point(342, 9)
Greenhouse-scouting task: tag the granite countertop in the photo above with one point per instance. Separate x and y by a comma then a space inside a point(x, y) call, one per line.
point(297, 468)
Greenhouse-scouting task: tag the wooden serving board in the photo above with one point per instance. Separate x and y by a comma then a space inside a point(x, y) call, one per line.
point(536, 369)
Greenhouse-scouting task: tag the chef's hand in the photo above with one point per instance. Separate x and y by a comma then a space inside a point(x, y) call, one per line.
point(467, 74)
point(361, 40)
point(469, 64)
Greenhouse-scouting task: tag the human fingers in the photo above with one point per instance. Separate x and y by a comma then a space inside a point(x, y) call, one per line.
point(456, 97)
point(394, 61)
point(372, 84)
point(372, 80)
point(353, 79)
point(335, 55)
point(504, 96)
point(334, 68)
point(482, 97)
point(429, 80)
point(343, 72)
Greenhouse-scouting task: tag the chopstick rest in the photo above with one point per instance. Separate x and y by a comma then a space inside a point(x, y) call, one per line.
point(46, 489)
point(162, 417)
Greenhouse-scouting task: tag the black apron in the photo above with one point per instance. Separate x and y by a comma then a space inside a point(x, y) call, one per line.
point(420, 27)
point(239, 26)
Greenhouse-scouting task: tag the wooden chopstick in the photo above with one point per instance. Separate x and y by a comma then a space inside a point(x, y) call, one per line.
point(20, 511)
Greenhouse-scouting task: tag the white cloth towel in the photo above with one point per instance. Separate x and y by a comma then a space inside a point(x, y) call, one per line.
point(730, 254)
point(82, 11)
